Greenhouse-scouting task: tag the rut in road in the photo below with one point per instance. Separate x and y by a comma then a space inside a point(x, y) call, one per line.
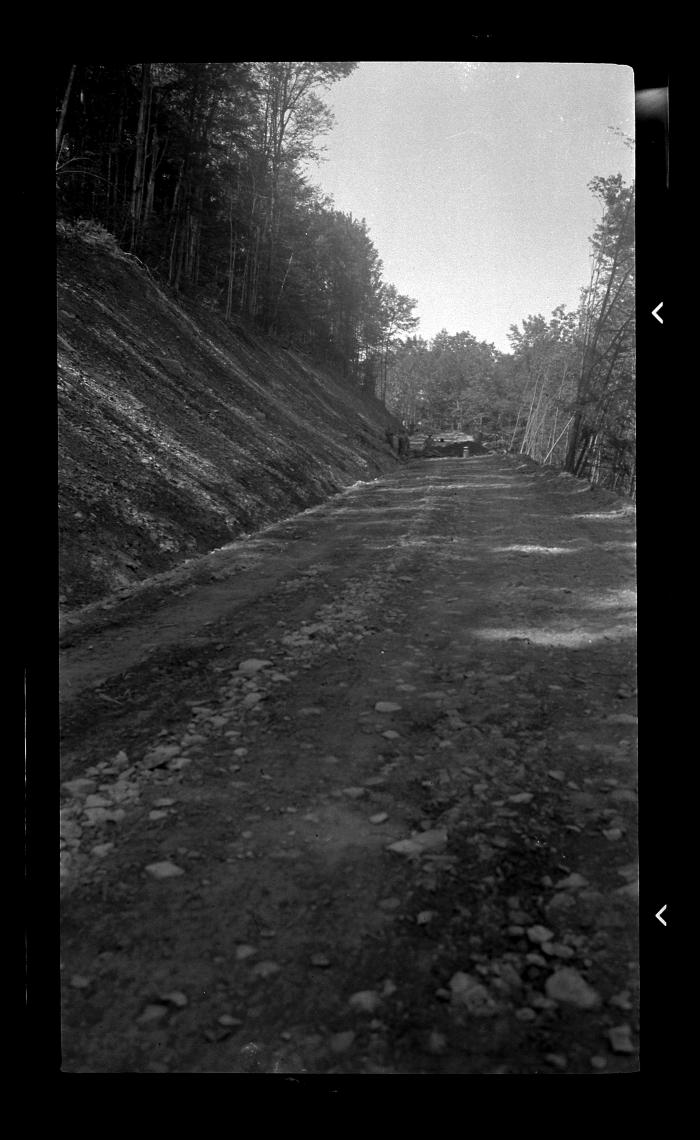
point(367, 802)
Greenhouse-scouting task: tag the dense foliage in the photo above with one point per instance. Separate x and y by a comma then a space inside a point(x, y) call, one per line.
point(196, 170)
point(565, 395)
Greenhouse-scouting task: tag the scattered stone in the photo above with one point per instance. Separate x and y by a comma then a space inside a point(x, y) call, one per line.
point(630, 891)
point(437, 1043)
point(102, 849)
point(152, 1013)
point(390, 734)
point(526, 1014)
point(228, 1020)
point(153, 815)
point(621, 1000)
point(265, 969)
point(164, 801)
point(469, 993)
point(79, 982)
point(354, 793)
point(379, 817)
point(245, 951)
point(599, 1062)
point(557, 1060)
point(175, 997)
point(521, 798)
point(568, 987)
point(389, 903)
point(561, 901)
point(320, 960)
point(539, 1001)
point(558, 950)
point(252, 666)
point(387, 707)
point(534, 959)
point(539, 934)
point(434, 839)
point(365, 1001)
point(341, 1042)
point(80, 787)
point(506, 972)
point(164, 870)
point(572, 882)
point(252, 700)
point(97, 802)
point(161, 755)
point(620, 1038)
point(424, 917)
point(612, 834)
point(624, 795)
point(556, 774)
point(520, 918)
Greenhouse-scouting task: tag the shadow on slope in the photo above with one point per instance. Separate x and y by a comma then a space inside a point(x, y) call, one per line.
point(179, 432)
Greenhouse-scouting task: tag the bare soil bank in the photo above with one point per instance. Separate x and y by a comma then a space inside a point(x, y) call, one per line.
point(179, 432)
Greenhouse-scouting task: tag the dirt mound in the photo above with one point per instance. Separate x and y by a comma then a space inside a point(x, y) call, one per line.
point(179, 432)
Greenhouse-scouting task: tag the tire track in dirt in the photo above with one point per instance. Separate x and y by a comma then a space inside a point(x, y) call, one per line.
point(469, 595)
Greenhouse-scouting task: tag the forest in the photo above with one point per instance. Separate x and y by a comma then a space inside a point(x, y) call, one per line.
point(565, 394)
point(197, 171)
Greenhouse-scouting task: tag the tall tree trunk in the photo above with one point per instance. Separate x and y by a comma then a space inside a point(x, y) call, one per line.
point(140, 157)
point(64, 107)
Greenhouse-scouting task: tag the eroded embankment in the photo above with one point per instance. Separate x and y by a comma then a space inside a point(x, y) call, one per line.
point(179, 432)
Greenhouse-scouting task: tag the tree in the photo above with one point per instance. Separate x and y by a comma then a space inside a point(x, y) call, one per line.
point(543, 354)
point(196, 168)
point(603, 406)
point(394, 316)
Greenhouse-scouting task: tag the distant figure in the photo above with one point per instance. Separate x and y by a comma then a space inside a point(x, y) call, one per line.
point(404, 446)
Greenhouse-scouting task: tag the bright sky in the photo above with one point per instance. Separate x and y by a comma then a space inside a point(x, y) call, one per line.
point(472, 178)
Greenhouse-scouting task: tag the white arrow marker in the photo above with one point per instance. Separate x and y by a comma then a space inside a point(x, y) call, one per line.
point(655, 313)
point(659, 913)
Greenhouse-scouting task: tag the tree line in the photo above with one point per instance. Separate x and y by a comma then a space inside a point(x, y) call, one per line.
point(196, 169)
point(565, 394)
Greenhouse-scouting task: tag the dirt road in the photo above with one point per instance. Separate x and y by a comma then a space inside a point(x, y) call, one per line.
point(357, 795)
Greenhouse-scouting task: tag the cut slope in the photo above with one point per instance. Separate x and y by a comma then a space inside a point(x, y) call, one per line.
point(179, 432)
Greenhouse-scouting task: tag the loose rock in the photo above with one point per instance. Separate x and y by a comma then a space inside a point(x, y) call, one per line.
point(164, 870)
point(539, 934)
point(568, 987)
point(434, 839)
point(620, 1038)
point(469, 993)
point(365, 1001)
point(341, 1042)
point(252, 666)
